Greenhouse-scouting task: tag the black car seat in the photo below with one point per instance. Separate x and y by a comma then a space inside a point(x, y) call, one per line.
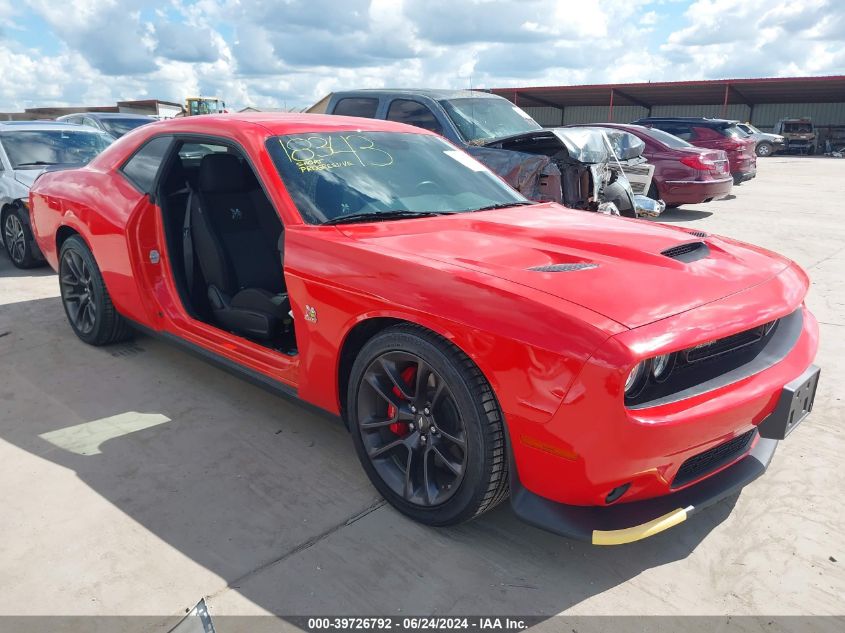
point(236, 234)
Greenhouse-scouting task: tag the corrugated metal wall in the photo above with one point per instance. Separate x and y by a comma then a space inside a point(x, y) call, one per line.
point(765, 115)
point(734, 111)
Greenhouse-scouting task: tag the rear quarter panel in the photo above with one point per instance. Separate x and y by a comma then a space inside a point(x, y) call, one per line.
point(97, 205)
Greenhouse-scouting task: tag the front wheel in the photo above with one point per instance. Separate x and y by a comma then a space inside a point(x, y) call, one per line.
point(17, 238)
point(427, 427)
point(86, 300)
point(764, 149)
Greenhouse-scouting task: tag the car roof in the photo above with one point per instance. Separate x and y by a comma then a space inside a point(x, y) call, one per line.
point(432, 93)
point(620, 126)
point(279, 123)
point(108, 115)
point(41, 126)
point(689, 119)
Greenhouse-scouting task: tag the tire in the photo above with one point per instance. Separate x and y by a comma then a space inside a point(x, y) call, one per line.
point(86, 300)
point(738, 181)
point(653, 193)
point(811, 150)
point(440, 466)
point(764, 148)
point(17, 238)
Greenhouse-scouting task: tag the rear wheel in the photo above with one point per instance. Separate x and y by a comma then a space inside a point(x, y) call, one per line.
point(17, 238)
point(86, 300)
point(427, 427)
point(764, 148)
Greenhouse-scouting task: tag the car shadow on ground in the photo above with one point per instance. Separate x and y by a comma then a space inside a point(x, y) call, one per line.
point(680, 214)
point(7, 269)
point(269, 496)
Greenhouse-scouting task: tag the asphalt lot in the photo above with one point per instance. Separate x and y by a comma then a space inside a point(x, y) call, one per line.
point(137, 479)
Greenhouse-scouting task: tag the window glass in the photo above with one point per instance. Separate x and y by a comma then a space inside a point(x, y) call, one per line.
point(192, 153)
point(670, 140)
point(357, 107)
point(681, 130)
point(483, 119)
point(142, 168)
point(118, 127)
point(350, 174)
point(413, 113)
point(38, 149)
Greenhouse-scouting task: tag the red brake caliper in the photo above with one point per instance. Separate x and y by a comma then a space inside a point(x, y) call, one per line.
point(401, 428)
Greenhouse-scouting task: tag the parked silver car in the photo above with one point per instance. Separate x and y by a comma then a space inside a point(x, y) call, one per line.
point(767, 144)
point(115, 123)
point(26, 150)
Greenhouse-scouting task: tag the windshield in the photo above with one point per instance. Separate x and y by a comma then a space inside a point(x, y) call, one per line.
point(397, 175)
point(480, 119)
point(36, 149)
point(798, 127)
point(119, 127)
point(670, 140)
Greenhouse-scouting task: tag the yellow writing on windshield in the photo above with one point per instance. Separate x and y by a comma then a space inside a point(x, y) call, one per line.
point(311, 153)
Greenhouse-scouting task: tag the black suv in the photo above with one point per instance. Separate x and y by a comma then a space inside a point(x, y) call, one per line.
point(720, 134)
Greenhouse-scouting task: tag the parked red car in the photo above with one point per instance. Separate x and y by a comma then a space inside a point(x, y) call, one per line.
point(613, 376)
point(720, 134)
point(683, 174)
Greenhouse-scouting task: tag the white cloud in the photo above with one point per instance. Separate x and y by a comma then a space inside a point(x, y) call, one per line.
point(277, 52)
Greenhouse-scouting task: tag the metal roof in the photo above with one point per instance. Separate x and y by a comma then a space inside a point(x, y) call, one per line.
point(828, 89)
point(432, 93)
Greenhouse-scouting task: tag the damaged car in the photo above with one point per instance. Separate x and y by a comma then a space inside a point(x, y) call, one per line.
point(582, 168)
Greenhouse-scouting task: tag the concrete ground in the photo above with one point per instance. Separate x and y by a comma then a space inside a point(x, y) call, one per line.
point(137, 479)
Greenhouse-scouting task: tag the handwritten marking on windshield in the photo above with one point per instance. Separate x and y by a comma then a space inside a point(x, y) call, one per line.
point(311, 152)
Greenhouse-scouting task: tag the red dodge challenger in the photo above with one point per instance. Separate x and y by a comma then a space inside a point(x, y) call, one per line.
point(612, 376)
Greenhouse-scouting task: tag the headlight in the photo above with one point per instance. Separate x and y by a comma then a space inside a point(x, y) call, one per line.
point(661, 367)
point(635, 379)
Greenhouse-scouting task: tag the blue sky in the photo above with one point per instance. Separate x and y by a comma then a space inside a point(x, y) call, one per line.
point(292, 52)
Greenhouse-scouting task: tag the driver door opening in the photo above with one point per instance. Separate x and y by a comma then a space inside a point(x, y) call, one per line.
point(226, 244)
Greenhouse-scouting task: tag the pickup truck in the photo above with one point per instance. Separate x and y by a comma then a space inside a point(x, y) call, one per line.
point(583, 168)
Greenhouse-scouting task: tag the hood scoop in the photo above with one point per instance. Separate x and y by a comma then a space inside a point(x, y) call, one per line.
point(687, 253)
point(698, 233)
point(563, 268)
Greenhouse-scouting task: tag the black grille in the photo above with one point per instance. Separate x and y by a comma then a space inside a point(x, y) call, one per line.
point(687, 252)
point(563, 268)
point(698, 233)
point(708, 461)
point(728, 344)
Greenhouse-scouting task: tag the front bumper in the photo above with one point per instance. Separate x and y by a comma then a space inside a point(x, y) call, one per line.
point(628, 522)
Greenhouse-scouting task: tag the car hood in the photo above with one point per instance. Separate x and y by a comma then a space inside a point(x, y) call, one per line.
point(610, 265)
point(27, 176)
point(584, 144)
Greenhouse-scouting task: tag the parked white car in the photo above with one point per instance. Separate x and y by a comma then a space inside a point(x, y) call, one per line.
point(26, 150)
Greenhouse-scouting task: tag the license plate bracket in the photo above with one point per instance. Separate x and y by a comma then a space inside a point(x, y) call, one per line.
point(795, 404)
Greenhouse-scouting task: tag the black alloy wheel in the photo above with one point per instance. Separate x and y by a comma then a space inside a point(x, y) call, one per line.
point(411, 428)
point(18, 239)
point(78, 292)
point(427, 427)
point(86, 299)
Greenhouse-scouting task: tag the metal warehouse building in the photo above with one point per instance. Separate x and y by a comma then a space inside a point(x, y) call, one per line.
point(762, 101)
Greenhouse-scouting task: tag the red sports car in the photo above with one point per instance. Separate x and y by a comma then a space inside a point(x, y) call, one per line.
point(613, 376)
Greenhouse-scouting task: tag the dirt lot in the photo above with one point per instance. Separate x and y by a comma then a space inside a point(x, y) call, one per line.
point(186, 482)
